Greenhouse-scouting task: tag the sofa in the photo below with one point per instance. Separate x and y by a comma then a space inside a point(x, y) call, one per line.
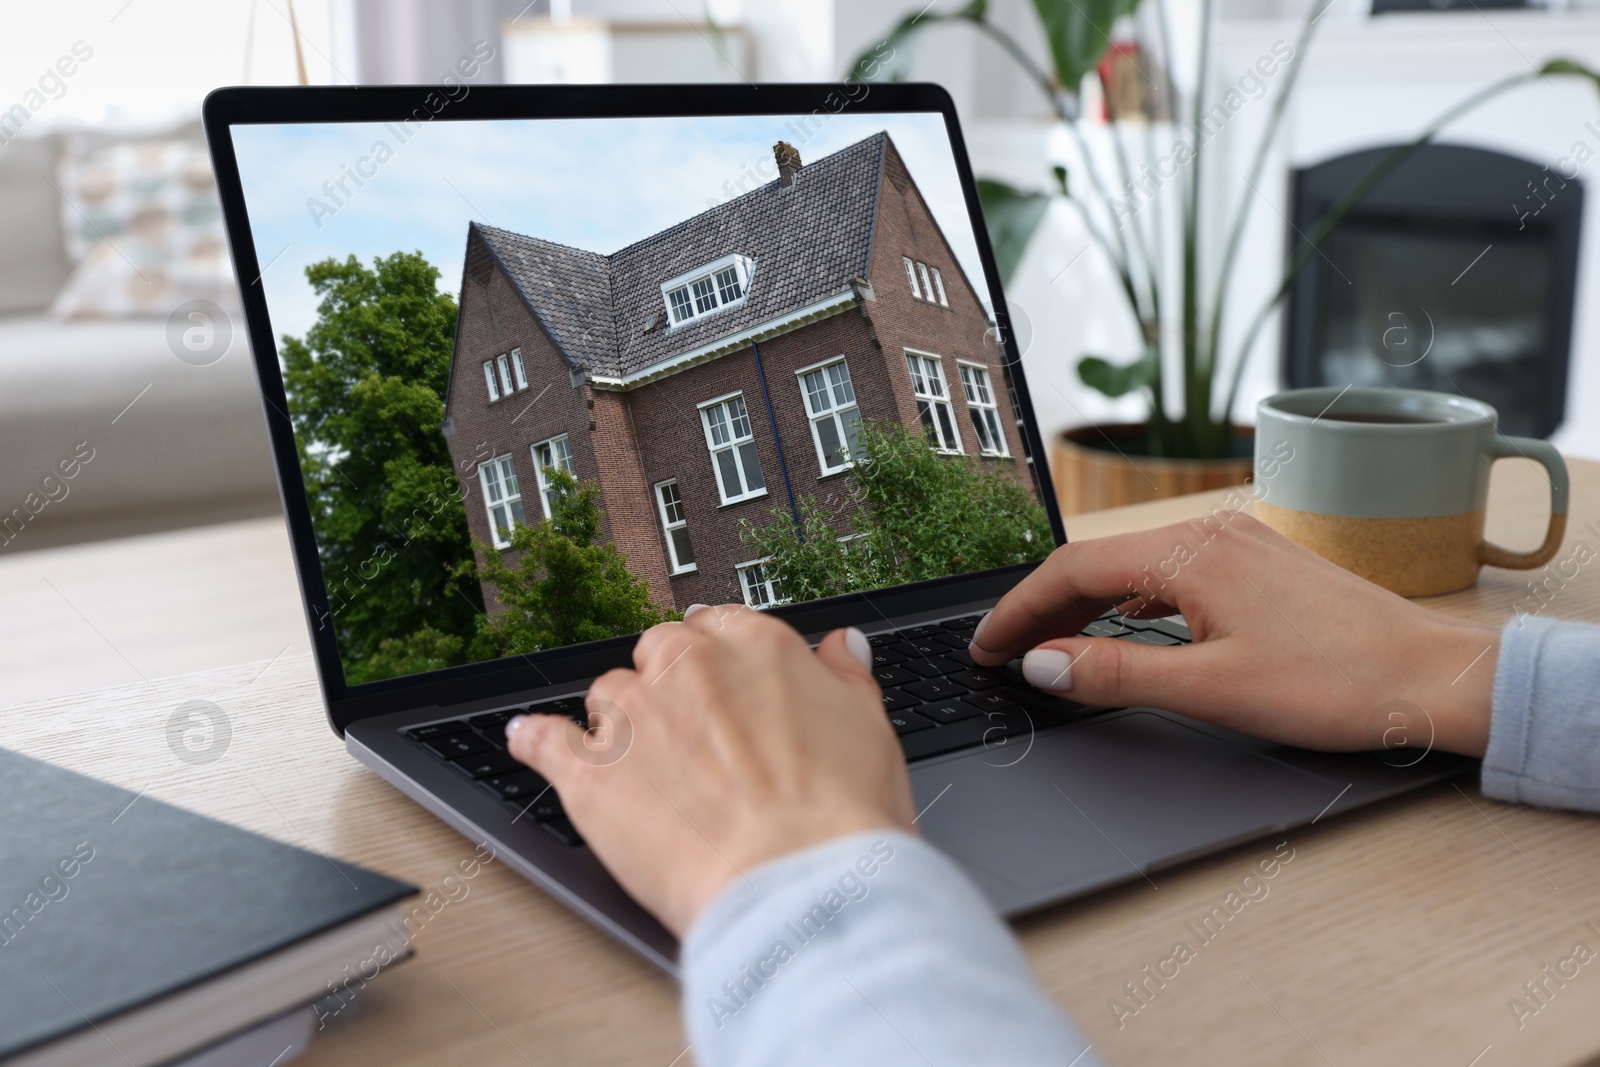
point(104, 430)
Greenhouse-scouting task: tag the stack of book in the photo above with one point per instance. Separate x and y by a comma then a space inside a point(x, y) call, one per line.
point(133, 932)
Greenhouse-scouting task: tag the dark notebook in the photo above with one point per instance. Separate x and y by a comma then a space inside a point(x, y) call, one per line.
point(111, 901)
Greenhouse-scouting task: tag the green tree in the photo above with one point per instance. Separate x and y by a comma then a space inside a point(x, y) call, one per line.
point(912, 514)
point(426, 650)
point(366, 387)
point(566, 584)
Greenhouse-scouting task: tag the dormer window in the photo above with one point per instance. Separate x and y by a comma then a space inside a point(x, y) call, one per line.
point(713, 286)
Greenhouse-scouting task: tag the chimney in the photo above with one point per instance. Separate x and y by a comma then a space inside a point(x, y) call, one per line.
point(788, 157)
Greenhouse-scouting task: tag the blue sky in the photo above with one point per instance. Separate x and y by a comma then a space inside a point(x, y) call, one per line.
point(598, 184)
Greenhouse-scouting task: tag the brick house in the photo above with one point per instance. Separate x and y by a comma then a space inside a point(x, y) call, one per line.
point(716, 371)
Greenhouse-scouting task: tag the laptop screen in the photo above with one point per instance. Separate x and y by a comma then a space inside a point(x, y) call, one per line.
point(555, 380)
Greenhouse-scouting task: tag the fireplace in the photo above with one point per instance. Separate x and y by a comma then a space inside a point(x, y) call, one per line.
point(1456, 273)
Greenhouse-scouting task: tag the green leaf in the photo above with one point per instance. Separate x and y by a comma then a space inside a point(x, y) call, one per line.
point(890, 58)
point(1115, 380)
point(1012, 216)
point(1078, 32)
point(1570, 66)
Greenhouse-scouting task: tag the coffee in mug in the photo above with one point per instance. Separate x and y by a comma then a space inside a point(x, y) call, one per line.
point(1393, 483)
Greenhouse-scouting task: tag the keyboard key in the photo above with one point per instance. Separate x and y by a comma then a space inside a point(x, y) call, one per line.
point(966, 622)
point(948, 711)
point(991, 700)
point(933, 689)
point(894, 700)
point(547, 807)
point(494, 723)
point(518, 785)
point(905, 722)
point(436, 729)
point(1003, 729)
point(886, 657)
point(953, 640)
point(1045, 710)
point(891, 676)
point(920, 646)
point(882, 640)
point(933, 667)
point(487, 765)
point(978, 678)
point(924, 743)
point(571, 707)
point(929, 630)
point(454, 746)
point(959, 655)
point(1105, 628)
point(1151, 637)
point(1172, 628)
point(563, 830)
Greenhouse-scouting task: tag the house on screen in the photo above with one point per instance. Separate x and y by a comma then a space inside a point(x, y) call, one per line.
point(717, 370)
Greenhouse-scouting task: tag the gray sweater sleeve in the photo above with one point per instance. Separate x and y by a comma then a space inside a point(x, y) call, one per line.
point(1544, 736)
point(874, 949)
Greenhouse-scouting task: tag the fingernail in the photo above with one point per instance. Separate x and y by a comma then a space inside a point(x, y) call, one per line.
point(511, 726)
point(692, 608)
point(1048, 669)
point(978, 630)
point(859, 646)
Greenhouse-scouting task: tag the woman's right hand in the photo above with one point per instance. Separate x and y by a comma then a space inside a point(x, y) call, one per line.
point(1287, 646)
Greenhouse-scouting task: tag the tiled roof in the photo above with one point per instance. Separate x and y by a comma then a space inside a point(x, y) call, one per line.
point(570, 290)
point(808, 239)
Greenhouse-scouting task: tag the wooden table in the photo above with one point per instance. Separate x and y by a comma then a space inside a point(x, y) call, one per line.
point(1396, 935)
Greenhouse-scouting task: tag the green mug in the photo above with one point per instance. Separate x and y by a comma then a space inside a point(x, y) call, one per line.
point(1392, 483)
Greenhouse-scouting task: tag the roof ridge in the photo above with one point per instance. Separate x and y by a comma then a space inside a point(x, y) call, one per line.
point(879, 136)
point(538, 240)
point(882, 135)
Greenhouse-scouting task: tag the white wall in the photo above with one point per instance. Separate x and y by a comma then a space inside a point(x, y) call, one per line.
point(154, 62)
point(1369, 82)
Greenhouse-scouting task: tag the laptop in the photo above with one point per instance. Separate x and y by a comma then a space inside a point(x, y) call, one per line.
point(545, 365)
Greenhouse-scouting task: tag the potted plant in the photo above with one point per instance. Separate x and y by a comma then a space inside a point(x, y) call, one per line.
point(1187, 441)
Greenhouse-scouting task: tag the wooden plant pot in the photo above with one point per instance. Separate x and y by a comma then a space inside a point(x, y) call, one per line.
point(1097, 467)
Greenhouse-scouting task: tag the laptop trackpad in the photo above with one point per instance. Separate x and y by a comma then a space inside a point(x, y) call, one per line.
point(1090, 806)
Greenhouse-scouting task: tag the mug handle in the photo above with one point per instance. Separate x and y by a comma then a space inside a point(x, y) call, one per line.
point(1542, 452)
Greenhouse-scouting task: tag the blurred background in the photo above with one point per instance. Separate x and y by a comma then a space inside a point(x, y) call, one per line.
point(1471, 268)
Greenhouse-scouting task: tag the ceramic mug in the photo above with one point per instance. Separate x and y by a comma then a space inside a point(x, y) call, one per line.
point(1392, 483)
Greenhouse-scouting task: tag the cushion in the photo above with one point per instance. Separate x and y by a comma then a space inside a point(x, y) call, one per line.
point(143, 220)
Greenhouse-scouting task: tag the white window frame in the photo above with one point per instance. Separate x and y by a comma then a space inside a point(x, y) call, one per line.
point(768, 583)
point(927, 283)
point(520, 371)
point(745, 267)
point(935, 400)
point(835, 411)
point(491, 380)
point(539, 467)
point(670, 525)
point(938, 285)
point(733, 445)
point(507, 386)
point(501, 474)
point(985, 411)
point(911, 276)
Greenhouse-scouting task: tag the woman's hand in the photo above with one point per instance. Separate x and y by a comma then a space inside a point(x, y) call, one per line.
point(731, 743)
point(1287, 646)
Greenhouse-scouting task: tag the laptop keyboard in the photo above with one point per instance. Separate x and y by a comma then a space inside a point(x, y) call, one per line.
point(937, 699)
